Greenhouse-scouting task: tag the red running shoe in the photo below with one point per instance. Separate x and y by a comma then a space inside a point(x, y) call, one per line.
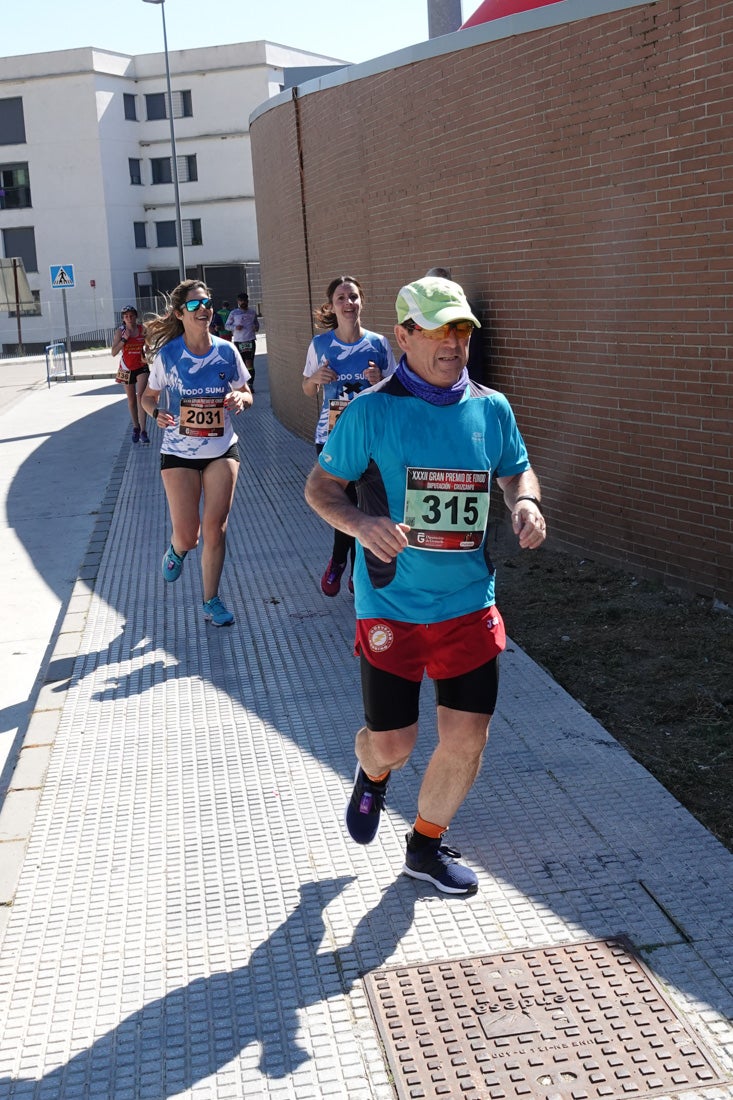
point(331, 579)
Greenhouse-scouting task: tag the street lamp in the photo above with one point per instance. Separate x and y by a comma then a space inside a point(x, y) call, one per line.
point(174, 165)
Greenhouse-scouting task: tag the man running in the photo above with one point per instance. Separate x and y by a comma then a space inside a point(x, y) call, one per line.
point(423, 447)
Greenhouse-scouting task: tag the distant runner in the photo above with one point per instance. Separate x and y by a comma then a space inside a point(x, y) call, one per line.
point(133, 370)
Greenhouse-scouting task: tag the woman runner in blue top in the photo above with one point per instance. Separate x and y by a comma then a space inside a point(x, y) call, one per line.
point(341, 362)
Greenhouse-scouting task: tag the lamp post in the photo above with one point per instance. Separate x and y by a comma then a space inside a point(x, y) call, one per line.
point(174, 164)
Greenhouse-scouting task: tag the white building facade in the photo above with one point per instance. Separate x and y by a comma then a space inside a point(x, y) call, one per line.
point(86, 177)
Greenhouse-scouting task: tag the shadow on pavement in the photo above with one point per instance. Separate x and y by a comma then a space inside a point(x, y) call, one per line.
point(191, 1033)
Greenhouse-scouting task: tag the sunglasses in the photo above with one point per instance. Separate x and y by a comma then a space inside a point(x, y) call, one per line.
point(194, 304)
point(462, 329)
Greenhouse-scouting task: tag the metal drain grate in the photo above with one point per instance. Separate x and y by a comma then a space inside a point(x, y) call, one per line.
point(578, 1022)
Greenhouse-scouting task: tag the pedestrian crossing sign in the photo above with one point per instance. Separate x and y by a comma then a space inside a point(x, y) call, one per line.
point(62, 276)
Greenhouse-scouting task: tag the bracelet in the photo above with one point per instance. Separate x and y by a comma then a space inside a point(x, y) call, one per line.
point(156, 410)
point(533, 500)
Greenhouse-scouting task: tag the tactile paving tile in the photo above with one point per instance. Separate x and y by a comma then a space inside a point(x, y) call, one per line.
point(189, 877)
point(577, 1022)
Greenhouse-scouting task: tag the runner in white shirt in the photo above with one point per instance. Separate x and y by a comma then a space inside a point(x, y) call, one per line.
point(197, 383)
point(243, 324)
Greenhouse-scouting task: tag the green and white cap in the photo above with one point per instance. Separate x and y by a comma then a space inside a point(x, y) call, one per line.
point(432, 302)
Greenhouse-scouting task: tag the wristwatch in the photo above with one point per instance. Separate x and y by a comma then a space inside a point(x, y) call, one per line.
point(533, 500)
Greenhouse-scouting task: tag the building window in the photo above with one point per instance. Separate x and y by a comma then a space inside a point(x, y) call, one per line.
point(161, 168)
point(12, 122)
point(141, 236)
point(156, 106)
point(163, 171)
point(21, 242)
point(135, 165)
point(191, 230)
point(165, 233)
point(187, 168)
point(182, 105)
point(15, 191)
point(130, 105)
point(34, 311)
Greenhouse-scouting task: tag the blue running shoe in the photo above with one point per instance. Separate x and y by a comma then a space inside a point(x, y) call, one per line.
point(365, 807)
point(215, 612)
point(429, 859)
point(171, 565)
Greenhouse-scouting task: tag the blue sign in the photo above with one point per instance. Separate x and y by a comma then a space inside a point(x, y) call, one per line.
point(62, 276)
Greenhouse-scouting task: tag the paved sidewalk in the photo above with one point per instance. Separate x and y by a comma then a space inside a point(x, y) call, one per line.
point(190, 919)
point(58, 447)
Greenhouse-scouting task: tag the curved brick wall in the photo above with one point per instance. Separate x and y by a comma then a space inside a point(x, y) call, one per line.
point(576, 178)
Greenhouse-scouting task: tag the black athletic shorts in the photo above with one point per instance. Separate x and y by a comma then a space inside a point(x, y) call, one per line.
point(176, 462)
point(392, 702)
point(135, 374)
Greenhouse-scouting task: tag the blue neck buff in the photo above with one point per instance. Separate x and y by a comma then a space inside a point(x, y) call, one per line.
point(435, 395)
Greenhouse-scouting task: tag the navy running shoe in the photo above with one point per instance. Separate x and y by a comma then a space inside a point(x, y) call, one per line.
point(365, 807)
point(429, 859)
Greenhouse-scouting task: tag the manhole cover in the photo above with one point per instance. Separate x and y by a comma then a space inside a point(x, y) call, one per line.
point(578, 1022)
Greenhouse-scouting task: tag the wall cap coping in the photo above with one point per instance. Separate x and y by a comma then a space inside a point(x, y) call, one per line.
point(552, 15)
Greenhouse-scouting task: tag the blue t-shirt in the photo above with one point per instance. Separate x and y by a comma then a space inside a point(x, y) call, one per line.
point(349, 361)
point(397, 448)
point(192, 388)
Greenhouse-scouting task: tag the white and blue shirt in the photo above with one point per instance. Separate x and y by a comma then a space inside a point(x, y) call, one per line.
point(192, 389)
point(349, 361)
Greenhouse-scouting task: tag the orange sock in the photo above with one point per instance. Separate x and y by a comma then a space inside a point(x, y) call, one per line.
point(378, 778)
point(427, 828)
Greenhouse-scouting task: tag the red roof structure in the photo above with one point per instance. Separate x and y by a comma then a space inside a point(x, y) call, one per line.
point(496, 9)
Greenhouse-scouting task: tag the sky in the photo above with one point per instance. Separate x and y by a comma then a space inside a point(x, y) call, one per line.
point(349, 32)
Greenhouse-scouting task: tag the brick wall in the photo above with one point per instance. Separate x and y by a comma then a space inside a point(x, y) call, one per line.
point(577, 181)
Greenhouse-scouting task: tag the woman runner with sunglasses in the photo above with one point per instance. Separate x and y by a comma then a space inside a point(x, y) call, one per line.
point(196, 382)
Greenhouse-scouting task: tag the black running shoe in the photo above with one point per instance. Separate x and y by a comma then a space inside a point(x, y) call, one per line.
point(365, 807)
point(429, 859)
